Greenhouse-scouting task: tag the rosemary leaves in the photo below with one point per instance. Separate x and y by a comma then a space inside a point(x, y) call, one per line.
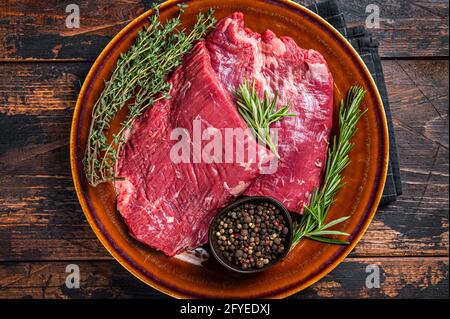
point(138, 81)
point(312, 225)
point(260, 114)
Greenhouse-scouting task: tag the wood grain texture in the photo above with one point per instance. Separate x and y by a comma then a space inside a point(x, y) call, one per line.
point(40, 218)
point(418, 94)
point(36, 30)
point(399, 278)
point(32, 29)
point(408, 28)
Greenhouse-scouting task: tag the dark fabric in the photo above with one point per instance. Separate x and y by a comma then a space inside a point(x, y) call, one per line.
point(367, 47)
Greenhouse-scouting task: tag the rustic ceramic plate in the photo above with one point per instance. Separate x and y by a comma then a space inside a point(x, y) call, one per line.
point(309, 261)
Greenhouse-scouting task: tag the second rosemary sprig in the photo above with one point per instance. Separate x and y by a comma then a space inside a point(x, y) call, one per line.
point(313, 224)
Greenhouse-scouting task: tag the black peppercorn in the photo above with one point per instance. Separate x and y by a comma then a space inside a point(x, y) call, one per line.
point(251, 236)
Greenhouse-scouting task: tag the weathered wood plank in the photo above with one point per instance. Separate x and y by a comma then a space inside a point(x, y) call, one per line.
point(418, 92)
point(399, 278)
point(40, 218)
point(32, 29)
point(407, 28)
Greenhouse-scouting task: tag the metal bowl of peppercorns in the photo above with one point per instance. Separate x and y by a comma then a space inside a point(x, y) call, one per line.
point(251, 235)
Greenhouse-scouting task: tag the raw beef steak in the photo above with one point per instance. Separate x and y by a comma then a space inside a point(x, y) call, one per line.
point(303, 81)
point(169, 205)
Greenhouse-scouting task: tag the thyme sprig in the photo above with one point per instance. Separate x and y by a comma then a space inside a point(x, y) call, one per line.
point(260, 113)
point(313, 223)
point(138, 81)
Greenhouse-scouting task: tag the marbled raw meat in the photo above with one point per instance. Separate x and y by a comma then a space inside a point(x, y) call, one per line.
point(169, 205)
point(303, 80)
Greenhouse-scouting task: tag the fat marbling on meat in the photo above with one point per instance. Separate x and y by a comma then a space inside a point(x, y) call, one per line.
point(303, 80)
point(169, 205)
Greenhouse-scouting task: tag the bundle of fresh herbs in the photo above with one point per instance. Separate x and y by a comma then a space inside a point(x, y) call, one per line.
point(138, 81)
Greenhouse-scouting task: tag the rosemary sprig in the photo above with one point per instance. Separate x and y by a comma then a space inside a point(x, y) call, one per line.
point(140, 77)
point(312, 225)
point(260, 114)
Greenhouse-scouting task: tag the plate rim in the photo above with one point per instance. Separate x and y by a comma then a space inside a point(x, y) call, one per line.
point(167, 288)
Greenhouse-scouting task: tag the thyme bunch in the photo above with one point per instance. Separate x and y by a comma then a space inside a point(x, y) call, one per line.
point(138, 81)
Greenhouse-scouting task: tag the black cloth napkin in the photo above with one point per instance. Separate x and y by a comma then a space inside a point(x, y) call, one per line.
point(367, 47)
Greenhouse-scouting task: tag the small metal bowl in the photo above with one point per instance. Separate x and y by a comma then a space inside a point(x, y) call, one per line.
point(249, 200)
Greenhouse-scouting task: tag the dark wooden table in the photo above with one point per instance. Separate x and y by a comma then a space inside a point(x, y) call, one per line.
point(42, 228)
